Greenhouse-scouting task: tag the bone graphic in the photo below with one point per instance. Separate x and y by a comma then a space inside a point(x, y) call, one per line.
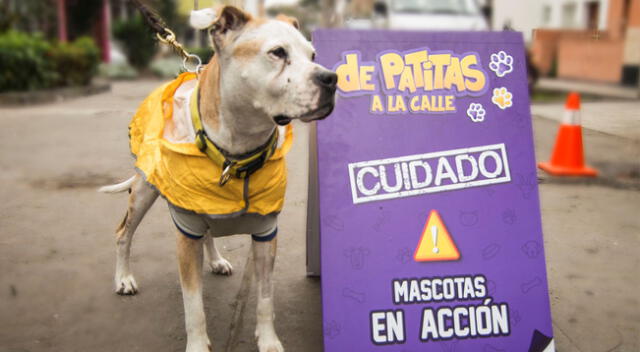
point(355, 295)
point(434, 235)
point(334, 222)
point(528, 286)
point(490, 251)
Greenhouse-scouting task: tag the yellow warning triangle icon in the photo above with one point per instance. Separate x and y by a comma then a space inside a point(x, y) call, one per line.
point(436, 243)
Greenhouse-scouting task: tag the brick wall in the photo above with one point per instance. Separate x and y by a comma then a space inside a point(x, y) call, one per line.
point(544, 48)
point(634, 14)
point(615, 19)
point(546, 42)
point(591, 56)
point(591, 60)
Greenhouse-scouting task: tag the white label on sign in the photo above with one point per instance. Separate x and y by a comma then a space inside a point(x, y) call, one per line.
point(428, 173)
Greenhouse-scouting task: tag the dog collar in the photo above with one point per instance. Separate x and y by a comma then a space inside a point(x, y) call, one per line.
point(241, 166)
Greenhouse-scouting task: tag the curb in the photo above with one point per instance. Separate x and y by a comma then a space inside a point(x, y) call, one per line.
point(52, 95)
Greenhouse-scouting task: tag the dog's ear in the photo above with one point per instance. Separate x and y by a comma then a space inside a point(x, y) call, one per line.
point(231, 19)
point(202, 19)
point(290, 20)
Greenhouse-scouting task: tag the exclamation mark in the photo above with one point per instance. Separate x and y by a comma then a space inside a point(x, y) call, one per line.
point(434, 236)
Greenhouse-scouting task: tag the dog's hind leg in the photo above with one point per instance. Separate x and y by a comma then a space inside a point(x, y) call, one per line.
point(190, 255)
point(141, 198)
point(217, 263)
point(264, 254)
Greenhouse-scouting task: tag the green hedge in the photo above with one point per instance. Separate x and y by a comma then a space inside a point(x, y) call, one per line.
point(24, 63)
point(30, 62)
point(76, 62)
point(139, 42)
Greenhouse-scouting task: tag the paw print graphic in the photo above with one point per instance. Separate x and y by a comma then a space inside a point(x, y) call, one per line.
point(509, 216)
point(502, 98)
point(501, 63)
point(532, 249)
point(332, 329)
point(476, 112)
point(527, 184)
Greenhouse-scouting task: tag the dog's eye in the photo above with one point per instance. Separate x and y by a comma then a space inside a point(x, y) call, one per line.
point(313, 57)
point(279, 52)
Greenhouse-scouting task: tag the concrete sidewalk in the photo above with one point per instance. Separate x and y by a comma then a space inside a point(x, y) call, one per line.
point(592, 88)
point(57, 244)
point(592, 240)
point(618, 118)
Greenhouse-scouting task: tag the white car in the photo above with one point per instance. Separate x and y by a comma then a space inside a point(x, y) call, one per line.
point(462, 15)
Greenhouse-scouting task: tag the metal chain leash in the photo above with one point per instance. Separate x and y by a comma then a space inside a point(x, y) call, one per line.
point(169, 38)
point(190, 62)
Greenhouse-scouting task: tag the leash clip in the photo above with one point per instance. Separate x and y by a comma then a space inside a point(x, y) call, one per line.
point(196, 66)
point(226, 173)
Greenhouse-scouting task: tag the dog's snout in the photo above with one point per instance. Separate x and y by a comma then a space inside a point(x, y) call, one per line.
point(326, 79)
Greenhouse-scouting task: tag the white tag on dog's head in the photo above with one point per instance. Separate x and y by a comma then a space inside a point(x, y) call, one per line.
point(202, 19)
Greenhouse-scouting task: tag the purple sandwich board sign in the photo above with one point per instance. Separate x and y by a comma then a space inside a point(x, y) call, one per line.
point(429, 214)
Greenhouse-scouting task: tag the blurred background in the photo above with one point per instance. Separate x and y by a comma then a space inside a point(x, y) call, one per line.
point(595, 41)
point(73, 72)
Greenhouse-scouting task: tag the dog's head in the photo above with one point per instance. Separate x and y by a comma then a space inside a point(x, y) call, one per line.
point(268, 66)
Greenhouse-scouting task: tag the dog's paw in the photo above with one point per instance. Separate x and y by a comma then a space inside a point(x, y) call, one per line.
point(221, 267)
point(267, 339)
point(199, 345)
point(126, 285)
point(269, 344)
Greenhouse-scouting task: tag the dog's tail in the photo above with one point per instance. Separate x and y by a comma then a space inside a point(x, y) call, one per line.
point(117, 188)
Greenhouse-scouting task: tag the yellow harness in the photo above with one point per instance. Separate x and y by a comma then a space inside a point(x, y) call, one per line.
point(189, 175)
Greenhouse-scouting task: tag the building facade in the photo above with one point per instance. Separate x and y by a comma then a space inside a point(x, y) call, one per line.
point(590, 40)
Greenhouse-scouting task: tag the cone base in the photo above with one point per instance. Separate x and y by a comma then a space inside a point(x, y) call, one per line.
point(567, 171)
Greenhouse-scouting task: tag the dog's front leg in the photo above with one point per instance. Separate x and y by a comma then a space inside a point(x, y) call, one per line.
point(190, 254)
point(264, 254)
point(216, 261)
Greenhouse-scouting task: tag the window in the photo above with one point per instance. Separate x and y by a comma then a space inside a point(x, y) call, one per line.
point(454, 7)
point(593, 15)
point(546, 15)
point(569, 15)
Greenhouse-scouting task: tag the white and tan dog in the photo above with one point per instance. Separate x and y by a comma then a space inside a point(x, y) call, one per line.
point(262, 75)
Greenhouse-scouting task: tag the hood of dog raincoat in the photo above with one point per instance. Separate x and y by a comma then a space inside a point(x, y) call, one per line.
point(186, 177)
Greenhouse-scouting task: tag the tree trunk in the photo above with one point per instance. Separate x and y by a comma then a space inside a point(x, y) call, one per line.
point(62, 20)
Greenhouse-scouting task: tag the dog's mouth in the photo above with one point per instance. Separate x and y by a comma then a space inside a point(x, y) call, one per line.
point(313, 115)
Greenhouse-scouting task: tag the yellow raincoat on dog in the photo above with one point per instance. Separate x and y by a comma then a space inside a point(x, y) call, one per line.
point(187, 178)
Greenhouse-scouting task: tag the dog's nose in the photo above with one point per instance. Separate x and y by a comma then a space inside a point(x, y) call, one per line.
point(326, 79)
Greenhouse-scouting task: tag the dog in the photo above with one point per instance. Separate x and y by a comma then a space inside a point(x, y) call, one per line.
point(261, 78)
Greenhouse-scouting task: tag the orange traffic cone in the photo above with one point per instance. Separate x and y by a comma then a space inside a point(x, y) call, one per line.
point(567, 158)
